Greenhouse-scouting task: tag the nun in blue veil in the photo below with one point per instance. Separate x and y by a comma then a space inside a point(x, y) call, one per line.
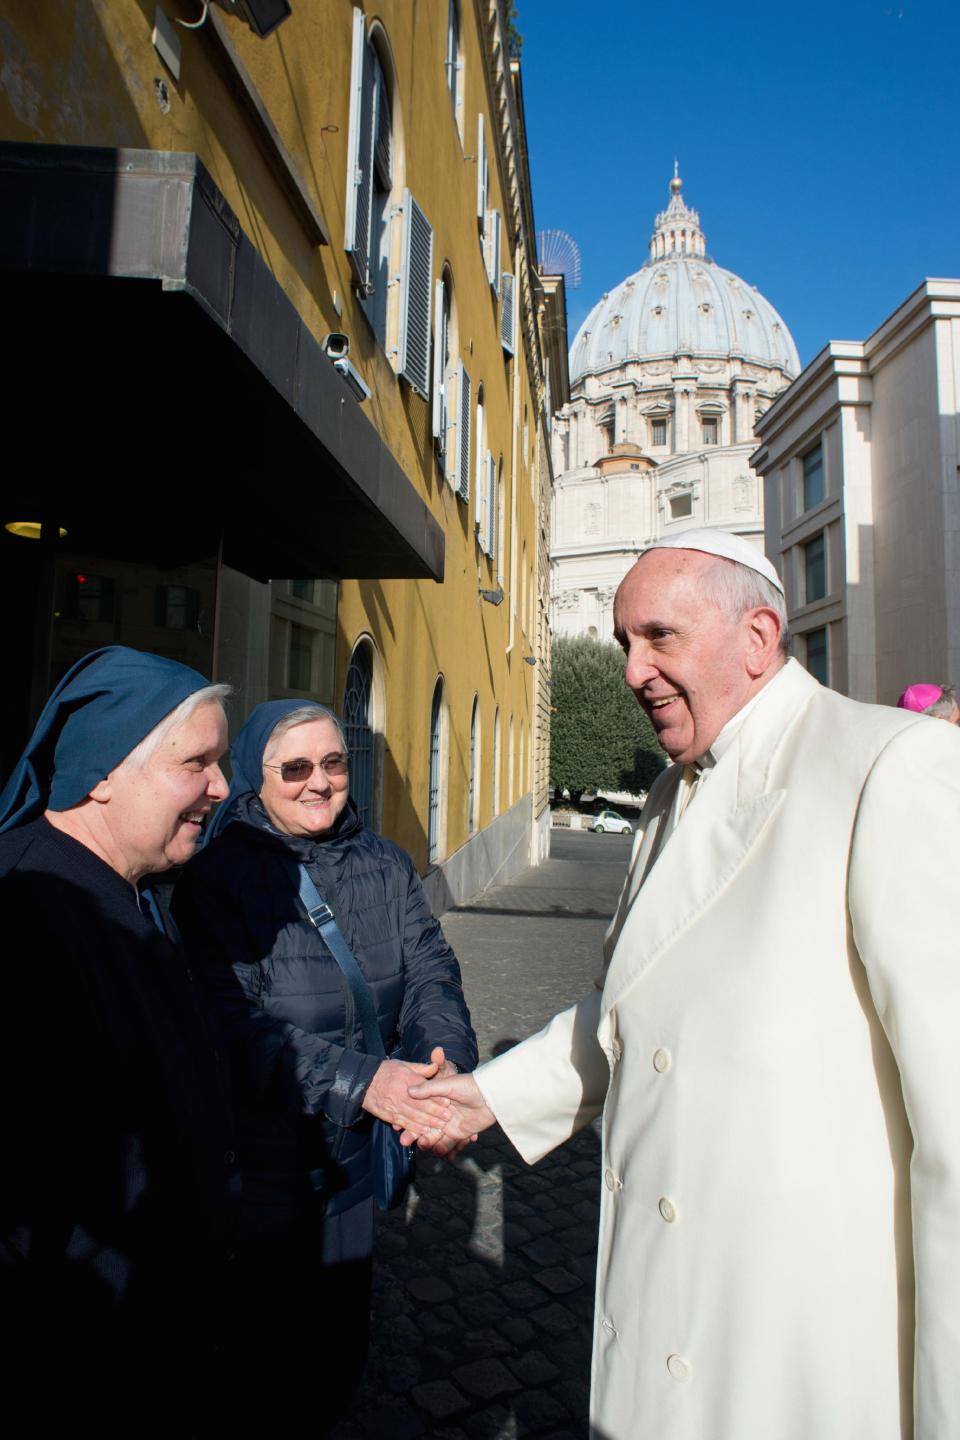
point(314, 1079)
point(115, 1215)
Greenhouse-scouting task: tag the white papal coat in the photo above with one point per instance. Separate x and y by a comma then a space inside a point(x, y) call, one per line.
point(779, 1022)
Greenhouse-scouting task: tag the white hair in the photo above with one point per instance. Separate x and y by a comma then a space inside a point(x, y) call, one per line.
point(303, 715)
point(736, 588)
point(208, 695)
point(943, 708)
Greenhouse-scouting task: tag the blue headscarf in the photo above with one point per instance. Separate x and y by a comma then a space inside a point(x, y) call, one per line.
point(246, 756)
point(101, 710)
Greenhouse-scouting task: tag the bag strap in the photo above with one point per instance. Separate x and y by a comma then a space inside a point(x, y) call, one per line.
point(321, 917)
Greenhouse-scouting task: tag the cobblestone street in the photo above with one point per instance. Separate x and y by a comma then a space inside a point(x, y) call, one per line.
point(483, 1284)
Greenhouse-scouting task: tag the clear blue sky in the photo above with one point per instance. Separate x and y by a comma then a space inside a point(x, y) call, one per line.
point(819, 142)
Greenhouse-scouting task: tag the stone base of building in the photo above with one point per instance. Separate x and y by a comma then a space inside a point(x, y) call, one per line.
point(511, 843)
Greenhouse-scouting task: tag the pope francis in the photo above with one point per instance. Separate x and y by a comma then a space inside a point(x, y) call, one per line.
point(776, 1046)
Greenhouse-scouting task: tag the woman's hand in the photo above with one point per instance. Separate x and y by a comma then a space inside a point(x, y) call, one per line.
point(388, 1097)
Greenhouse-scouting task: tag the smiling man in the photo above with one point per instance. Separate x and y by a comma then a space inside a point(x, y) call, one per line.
point(774, 1047)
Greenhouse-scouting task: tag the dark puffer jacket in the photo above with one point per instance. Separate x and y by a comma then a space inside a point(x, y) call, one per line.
point(280, 994)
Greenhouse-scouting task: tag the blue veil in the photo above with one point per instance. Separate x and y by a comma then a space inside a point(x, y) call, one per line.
point(100, 711)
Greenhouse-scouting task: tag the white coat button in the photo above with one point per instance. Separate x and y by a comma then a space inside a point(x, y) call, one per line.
point(668, 1210)
point(662, 1061)
point(678, 1367)
point(612, 1181)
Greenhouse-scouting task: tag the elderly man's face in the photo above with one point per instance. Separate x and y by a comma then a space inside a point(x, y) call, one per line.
point(157, 809)
point(687, 661)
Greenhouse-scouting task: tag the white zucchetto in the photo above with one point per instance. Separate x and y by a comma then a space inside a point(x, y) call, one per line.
point(723, 544)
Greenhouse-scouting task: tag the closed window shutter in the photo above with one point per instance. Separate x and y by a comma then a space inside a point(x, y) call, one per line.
point(492, 249)
point(413, 345)
point(383, 140)
point(439, 338)
point(359, 196)
point(481, 174)
point(463, 438)
point(490, 507)
point(508, 319)
point(451, 452)
point(481, 483)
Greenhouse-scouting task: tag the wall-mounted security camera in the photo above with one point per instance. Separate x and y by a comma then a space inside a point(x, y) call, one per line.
point(336, 345)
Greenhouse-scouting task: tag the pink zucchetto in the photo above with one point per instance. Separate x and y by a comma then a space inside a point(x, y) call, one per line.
point(919, 697)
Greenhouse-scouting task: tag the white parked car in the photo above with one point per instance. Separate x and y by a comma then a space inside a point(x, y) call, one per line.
point(609, 822)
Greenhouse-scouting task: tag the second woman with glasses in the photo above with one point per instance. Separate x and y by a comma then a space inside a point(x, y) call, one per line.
point(287, 853)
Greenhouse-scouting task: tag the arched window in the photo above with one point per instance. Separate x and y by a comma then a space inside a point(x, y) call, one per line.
point(435, 797)
point(473, 787)
point(496, 761)
point(358, 730)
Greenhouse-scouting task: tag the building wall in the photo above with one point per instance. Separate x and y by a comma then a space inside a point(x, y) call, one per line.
point(885, 413)
point(86, 72)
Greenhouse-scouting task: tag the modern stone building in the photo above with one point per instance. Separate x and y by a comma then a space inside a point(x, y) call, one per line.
point(668, 374)
point(860, 463)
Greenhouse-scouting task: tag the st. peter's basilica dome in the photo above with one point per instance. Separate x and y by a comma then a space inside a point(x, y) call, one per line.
point(681, 303)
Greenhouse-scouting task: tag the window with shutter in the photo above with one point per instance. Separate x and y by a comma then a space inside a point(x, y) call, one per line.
point(508, 319)
point(489, 508)
point(413, 344)
point(501, 523)
point(463, 437)
point(359, 196)
point(492, 249)
point(481, 441)
point(482, 175)
point(441, 357)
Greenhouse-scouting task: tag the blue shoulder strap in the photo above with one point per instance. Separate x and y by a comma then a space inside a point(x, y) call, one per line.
point(321, 917)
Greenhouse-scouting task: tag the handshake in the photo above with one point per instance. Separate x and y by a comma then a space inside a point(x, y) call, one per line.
point(433, 1106)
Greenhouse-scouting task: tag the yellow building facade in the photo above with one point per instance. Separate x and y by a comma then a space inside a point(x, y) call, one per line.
point(304, 264)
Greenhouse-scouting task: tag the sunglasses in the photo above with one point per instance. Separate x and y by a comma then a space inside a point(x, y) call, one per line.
point(297, 771)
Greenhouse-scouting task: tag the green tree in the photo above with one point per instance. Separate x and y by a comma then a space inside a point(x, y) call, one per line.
point(599, 736)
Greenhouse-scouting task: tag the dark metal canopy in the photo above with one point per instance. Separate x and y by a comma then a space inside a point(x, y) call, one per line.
point(163, 395)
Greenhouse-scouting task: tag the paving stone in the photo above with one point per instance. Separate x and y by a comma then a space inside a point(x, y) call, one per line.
point(539, 1225)
point(393, 1301)
point(584, 1265)
point(472, 1276)
point(402, 1373)
point(487, 1342)
point(521, 1295)
point(486, 1379)
point(439, 1398)
point(575, 1395)
point(539, 1407)
point(400, 1333)
point(556, 1319)
point(441, 1321)
point(582, 1240)
point(485, 1309)
point(533, 1368)
point(517, 1331)
point(515, 1235)
point(494, 1422)
point(558, 1280)
point(396, 1420)
point(544, 1251)
point(431, 1290)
